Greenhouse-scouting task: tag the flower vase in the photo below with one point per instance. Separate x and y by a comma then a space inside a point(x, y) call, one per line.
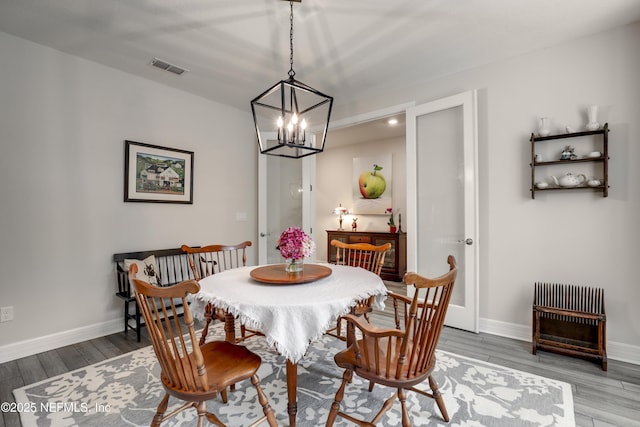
point(392, 229)
point(544, 127)
point(294, 265)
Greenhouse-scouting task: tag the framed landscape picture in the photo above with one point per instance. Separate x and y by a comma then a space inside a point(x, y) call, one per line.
point(157, 174)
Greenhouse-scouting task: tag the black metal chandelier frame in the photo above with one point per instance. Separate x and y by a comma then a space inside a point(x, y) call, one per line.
point(291, 140)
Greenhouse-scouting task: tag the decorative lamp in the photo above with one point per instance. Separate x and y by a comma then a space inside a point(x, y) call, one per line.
point(293, 113)
point(340, 210)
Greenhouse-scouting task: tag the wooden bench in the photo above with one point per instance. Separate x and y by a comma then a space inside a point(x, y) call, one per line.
point(570, 320)
point(173, 267)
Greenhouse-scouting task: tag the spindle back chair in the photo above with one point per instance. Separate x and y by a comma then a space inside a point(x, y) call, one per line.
point(190, 372)
point(402, 357)
point(212, 259)
point(363, 255)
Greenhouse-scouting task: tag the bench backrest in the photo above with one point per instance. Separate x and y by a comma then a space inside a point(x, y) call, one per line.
point(173, 267)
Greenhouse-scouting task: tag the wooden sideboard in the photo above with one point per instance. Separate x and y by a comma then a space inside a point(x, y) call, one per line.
point(395, 263)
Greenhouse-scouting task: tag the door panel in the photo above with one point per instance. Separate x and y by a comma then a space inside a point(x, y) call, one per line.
point(442, 197)
point(284, 200)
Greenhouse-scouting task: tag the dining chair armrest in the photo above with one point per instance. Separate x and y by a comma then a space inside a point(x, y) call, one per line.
point(399, 297)
point(401, 305)
point(370, 330)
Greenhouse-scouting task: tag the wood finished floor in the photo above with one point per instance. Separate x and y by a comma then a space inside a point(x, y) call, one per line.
point(601, 398)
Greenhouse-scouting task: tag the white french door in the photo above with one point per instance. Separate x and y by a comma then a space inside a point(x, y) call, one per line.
point(442, 198)
point(284, 200)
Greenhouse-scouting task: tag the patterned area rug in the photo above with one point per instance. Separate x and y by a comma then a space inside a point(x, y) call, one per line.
point(126, 390)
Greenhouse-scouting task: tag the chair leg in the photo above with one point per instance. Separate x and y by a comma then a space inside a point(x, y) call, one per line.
point(162, 408)
point(202, 412)
point(126, 316)
point(243, 333)
point(438, 397)
point(208, 316)
point(262, 398)
point(402, 396)
point(138, 323)
point(335, 406)
point(388, 404)
point(212, 418)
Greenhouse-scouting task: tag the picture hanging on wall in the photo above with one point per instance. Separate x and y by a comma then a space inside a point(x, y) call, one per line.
point(372, 183)
point(157, 174)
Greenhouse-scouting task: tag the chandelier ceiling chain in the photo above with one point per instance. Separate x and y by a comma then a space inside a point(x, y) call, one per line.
point(291, 72)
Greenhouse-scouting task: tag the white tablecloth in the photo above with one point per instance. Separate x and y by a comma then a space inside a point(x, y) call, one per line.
point(290, 316)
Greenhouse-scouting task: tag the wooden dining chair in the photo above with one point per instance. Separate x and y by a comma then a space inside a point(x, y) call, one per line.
point(403, 357)
point(190, 372)
point(212, 259)
point(362, 255)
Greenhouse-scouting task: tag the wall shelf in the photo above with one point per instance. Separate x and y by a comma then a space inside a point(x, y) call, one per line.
point(602, 162)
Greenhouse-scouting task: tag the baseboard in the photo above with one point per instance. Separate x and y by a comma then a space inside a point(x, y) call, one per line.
point(615, 350)
point(49, 342)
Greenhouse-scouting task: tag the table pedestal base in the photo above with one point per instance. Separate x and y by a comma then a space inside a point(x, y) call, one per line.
point(292, 392)
point(292, 373)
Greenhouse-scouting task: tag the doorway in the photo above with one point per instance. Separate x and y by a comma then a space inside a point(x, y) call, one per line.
point(442, 198)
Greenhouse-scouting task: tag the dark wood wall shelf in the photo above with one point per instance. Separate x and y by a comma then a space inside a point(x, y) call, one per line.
point(602, 161)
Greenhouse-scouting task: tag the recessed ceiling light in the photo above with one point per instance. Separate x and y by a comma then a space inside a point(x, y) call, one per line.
point(393, 122)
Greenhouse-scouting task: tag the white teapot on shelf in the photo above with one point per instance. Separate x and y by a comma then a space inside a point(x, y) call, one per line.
point(569, 180)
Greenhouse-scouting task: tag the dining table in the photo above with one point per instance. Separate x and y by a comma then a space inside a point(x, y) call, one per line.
point(291, 310)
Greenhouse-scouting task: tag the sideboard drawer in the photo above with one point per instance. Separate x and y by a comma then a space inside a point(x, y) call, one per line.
point(359, 239)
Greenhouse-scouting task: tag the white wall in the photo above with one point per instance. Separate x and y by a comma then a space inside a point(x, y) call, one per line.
point(334, 172)
point(62, 125)
point(63, 122)
point(579, 238)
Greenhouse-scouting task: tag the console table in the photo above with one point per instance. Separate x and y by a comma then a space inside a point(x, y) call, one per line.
point(395, 262)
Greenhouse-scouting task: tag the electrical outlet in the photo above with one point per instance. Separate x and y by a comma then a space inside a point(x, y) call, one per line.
point(6, 314)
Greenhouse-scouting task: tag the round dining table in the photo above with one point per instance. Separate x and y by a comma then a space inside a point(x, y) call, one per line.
point(290, 309)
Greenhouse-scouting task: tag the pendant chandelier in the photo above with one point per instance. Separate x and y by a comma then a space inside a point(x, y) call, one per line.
point(290, 114)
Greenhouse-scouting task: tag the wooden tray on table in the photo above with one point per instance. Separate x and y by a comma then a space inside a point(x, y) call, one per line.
point(275, 274)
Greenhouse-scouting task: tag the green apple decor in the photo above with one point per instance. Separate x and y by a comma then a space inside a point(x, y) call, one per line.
point(372, 184)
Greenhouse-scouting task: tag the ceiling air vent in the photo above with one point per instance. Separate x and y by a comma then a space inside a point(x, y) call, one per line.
point(164, 65)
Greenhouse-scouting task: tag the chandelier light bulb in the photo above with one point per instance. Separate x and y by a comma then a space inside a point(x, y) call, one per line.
point(294, 119)
point(280, 122)
point(303, 124)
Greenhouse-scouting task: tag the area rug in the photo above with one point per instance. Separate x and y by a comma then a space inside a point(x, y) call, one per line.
point(126, 390)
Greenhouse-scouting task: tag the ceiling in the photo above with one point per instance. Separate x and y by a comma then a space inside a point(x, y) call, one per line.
point(234, 50)
point(371, 131)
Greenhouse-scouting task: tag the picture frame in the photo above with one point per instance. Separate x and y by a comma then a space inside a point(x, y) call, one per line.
point(377, 182)
point(156, 174)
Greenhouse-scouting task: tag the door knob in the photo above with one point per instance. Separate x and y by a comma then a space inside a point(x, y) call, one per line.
point(466, 241)
point(265, 234)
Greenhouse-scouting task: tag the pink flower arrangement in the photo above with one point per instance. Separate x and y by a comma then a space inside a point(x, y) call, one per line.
point(295, 244)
